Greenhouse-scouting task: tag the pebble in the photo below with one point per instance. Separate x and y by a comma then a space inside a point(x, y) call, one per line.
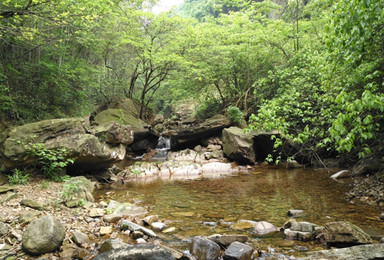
point(141, 241)
point(169, 230)
point(137, 234)
point(95, 213)
point(158, 226)
point(295, 213)
point(106, 230)
point(150, 219)
point(80, 238)
point(112, 218)
point(103, 204)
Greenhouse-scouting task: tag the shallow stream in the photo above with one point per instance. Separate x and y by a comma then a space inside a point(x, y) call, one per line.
point(260, 194)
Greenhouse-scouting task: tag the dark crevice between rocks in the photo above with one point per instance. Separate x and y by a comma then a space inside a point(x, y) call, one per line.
point(180, 142)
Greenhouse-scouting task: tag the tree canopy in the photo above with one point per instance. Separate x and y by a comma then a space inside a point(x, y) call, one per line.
point(312, 69)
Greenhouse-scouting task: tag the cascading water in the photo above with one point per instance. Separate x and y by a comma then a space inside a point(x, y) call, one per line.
point(162, 148)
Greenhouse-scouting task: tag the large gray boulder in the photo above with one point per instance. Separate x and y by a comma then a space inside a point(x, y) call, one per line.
point(43, 235)
point(247, 147)
point(204, 249)
point(184, 135)
point(137, 252)
point(238, 146)
point(123, 117)
point(263, 227)
point(343, 234)
point(126, 112)
point(74, 134)
point(114, 133)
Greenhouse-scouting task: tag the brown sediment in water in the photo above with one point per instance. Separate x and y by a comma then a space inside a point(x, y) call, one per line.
point(260, 195)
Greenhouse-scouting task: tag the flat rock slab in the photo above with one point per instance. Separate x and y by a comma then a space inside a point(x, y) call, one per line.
point(4, 189)
point(342, 234)
point(374, 251)
point(33, 204)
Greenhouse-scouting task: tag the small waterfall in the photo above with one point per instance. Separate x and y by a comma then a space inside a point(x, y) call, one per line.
point(162, 148)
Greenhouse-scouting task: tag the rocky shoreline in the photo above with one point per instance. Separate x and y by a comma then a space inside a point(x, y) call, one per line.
point(105, 229)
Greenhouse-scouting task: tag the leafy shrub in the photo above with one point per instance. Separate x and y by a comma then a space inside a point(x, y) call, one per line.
point(69, 190)
point(51, 161)
point(135, 171)
point(44, 185)
point(235, 114)
point(18, 177)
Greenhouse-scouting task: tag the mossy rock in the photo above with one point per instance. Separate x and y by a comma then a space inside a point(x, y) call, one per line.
point(4, 189)
point(77, 191)
point(123, 117)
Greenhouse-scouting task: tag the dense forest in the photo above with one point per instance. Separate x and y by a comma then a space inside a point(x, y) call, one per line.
point(312, 69)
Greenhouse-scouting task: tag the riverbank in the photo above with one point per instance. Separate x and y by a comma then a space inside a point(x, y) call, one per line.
point(90, 219)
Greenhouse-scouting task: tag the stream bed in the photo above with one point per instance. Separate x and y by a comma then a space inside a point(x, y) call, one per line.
point(194, 207)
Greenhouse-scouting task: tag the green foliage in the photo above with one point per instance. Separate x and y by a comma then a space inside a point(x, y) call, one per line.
point(18, 177)
point(134, 171)
point(311, 69)
point(235, 114)
point(52, 161)
point(69, 190)
point(208, 108)
point(44, 185)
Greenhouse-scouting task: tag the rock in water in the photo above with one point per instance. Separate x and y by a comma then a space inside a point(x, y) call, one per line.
point(238, 251)
point(295, 213)
point(204, 249)
point(375, 251)
point(137, 252)
point(226, 240)
point(43, 235)
point(343, 234)
point(263, 227)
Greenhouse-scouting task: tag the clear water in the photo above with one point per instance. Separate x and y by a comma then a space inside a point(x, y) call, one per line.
point(261, 194)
